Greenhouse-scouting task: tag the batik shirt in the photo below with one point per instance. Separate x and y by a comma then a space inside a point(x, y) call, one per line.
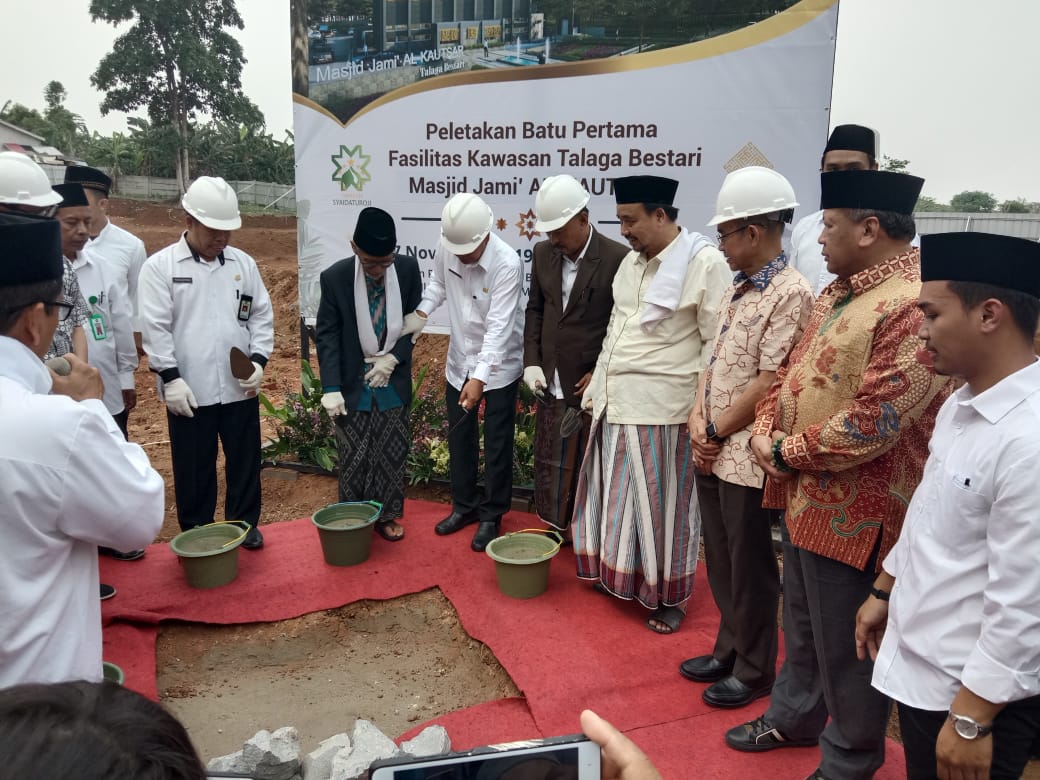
point(858, 408)
point(61, 343)
point(765, 315)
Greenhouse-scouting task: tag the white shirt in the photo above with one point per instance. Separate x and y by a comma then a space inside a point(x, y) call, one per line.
point(123, 255)
point(485, 311)
point(190, 318)
point(569, 272)
point(965, 608)
point(115, 355)
point(651, 378)
point(70, 483)
point(806, 254)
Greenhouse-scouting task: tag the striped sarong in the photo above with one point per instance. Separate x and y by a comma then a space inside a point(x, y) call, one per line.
point(636, 522)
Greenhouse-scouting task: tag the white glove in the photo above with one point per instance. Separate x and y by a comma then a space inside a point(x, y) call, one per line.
point(334, 403)
point(252, 384)
point(534, 378)
point(586, 401)
point(414, 324)
point(179, 398)
point(382, 367)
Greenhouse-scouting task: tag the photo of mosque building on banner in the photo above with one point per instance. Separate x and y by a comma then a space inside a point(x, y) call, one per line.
point(422, 100)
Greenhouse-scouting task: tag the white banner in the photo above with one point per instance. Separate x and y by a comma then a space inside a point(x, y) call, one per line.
point(757, 95)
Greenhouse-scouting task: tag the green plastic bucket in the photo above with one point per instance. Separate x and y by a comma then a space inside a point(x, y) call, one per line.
point(345, 531)
point(522, 561)
point(112, 673)
point(209, 553)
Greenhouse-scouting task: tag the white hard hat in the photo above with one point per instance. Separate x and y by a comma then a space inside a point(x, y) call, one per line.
point(25, 183)
point(753, 191)
point(465, 222)
point(213, 202)
point(559, 200)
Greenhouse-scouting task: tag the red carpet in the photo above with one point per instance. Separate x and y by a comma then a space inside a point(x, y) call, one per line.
point(569, 649)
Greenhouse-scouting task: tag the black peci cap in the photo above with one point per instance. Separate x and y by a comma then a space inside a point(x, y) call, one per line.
point(30, 250)
point(71, 195)
point(854, 138)
point(645, 189)
point(874, 190)
point(90, 178)
point(1003, 261)
point(375, 232)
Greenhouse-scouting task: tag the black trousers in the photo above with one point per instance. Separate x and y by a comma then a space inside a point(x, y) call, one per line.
point(1015, 730)
point(821, 676)
point(121, 420)
point(464, 449)
point(193, 445)
point(742, 572)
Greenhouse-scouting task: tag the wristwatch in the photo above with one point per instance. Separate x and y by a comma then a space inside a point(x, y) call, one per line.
point(712, 435)
point(969, 728)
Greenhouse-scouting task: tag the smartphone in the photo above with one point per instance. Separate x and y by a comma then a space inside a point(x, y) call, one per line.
point(572, 757)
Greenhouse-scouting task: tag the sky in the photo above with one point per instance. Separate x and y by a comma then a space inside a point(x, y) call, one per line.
point(950, 85)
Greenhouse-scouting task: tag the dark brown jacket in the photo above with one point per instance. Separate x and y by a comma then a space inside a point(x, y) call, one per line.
point(570, 340)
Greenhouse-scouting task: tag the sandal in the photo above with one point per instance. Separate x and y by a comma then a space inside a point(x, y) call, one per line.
point(383, 528)
point(672, 617)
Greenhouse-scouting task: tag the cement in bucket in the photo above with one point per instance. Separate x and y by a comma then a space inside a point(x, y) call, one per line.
point(209, 553)
point(112, 673)
point(345, 531)
point(522, 561)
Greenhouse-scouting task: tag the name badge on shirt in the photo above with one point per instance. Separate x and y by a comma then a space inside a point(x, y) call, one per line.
point(97, 327)
point(182, 280)
point(245, 308)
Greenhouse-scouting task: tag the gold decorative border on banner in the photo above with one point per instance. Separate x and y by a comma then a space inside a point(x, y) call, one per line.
point(775, 26)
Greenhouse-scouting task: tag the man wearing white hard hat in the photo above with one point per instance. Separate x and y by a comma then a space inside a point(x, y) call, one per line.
point(567, 314)
point(479, 276)
point(26, 190)
point(764, 313)
point(198, 298)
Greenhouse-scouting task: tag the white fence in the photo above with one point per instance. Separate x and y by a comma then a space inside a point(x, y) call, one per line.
point(278, 197)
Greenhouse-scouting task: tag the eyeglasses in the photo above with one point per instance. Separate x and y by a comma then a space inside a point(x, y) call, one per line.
point(720, 238)
point(373, 263)
point(64, 313)
point(64, 309)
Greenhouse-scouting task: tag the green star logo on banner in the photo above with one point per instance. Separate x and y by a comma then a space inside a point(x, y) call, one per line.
point(351, 168)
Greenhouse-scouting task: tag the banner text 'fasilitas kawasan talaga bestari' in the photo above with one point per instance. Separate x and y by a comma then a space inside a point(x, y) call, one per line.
point(402, 110)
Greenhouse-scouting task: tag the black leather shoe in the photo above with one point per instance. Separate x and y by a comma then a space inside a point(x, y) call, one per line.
point(759, 735)
point(704, 668)
point(131, 555)
point(731, 692)
point(254, 539)
point(456, 521)
point(487, 531)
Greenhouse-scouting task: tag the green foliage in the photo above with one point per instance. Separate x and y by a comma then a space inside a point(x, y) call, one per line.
point(975, 201)
point(304, 429)
point(178, 61)
point(1018, 206)
point(428, 458)
point(894, 164)
point(928, 205)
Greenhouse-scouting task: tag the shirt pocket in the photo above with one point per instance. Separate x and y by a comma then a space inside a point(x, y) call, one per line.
point(961, 515)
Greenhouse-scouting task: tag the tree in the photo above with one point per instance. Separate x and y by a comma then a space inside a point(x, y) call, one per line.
point(975, 201)
point(66, 130)
point(928, 205)
point(178, 61)
point(894, 164)
point(1016, 206)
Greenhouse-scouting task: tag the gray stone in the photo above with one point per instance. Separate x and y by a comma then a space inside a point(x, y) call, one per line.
point(318, 763)
point(232, 762)
point(370, 744)
point(431, 741)
point(273, 756)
